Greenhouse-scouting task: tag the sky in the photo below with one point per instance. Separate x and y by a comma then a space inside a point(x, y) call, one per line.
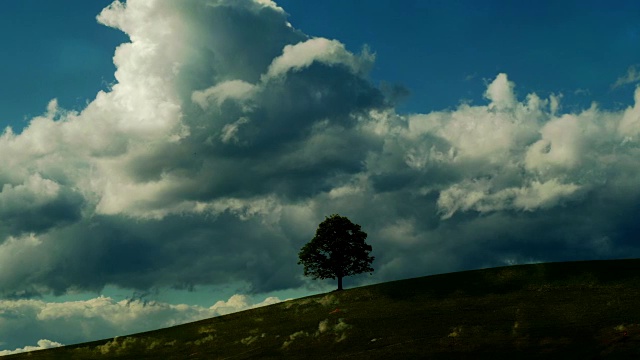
point(164, 161)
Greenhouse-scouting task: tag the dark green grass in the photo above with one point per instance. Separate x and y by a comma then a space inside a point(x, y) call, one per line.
point(574, 310)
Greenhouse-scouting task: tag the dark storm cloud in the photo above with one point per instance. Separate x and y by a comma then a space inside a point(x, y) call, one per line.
point(178, 251)
point(29, 214)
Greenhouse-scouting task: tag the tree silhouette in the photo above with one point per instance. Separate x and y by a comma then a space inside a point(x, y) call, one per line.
point(337, 250)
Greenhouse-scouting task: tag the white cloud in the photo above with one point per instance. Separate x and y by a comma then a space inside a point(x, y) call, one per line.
point(270, 3)
point(301, 55)
point(216, 154)
point(103, 317)
point(632, 76)
point(113, 153)
point(233, 89)
point(238, 303)
point(478, 195)
point(509, 155)
point(629, 127)
point(562, 145)
point(489, 133)
point(500, 92)
point(42, 344)
point(543, 195)
point(128, 314)
point(251, 4)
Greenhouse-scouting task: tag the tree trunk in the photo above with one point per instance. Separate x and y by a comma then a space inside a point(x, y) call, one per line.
point(339, 282)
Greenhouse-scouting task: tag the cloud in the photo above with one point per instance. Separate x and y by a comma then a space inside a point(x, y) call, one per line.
point(101, 317)
point(477, 195)
point(42, 344)
point(302, 55)
point(500, 93)
point(239, 302)
point(230, 90)
point(215, 155)
point(471, 176)
point(194, 128)
point(632, 76)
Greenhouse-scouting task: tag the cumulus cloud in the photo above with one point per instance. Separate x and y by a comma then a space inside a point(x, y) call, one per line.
point(210, 161)
point(199, 129)
point(195, 126)
point(484, 168)
point(238, 303)
point(302, 55)
point(101, 317)
point(42, 344)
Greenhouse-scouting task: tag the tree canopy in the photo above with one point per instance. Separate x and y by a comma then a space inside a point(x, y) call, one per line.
point(337, 250)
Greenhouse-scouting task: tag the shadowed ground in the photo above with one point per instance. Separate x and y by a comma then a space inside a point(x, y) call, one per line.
point(576, 310)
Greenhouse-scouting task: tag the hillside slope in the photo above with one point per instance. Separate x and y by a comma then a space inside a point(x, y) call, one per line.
point(575, 310)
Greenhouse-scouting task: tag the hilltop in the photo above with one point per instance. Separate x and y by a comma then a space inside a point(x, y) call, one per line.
point(575, 310)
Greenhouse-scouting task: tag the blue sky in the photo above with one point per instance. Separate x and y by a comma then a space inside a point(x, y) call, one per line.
point(53, 51)
point(442, 52)
point(191, 164)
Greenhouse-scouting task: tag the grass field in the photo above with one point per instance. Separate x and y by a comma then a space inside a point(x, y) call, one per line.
point(574, 310)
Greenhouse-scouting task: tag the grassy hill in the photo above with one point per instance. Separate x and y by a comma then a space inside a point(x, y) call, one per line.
point(574, 310)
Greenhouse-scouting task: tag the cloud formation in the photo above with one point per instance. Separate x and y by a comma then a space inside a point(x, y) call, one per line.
point(42, 344)
point(198, 129)
point(216, 154)
point(632, 76)
point(99, 318)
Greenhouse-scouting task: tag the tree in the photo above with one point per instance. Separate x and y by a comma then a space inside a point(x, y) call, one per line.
point(337, 250)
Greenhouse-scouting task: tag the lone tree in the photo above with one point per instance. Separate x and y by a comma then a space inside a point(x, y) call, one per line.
point(338, 250)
